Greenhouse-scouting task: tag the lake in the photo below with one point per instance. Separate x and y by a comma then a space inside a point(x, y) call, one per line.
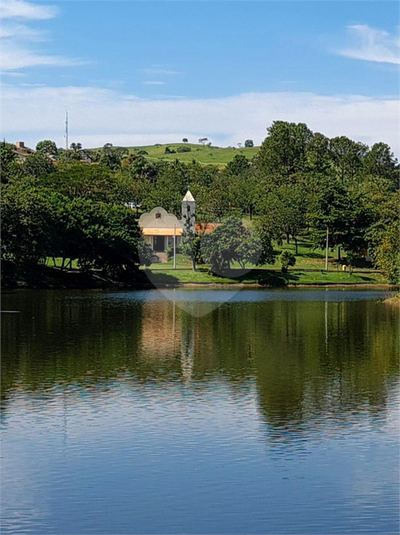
point(200, 411)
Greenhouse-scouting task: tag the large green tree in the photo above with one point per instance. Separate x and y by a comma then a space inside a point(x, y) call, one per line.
point(27, 223)
point(233, 242)
point(37, 165)
point(39, 222)
point(284, 149)
point(283, 211)
point(346, 157)
point(77, 179)
point(9, 167)
point(112, 156)
point(380, 162)
point(47, 147)
point(340, 210)
point(318, 160)
point(383, 234)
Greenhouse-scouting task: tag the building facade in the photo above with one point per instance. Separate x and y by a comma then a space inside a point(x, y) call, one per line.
point(159, 227)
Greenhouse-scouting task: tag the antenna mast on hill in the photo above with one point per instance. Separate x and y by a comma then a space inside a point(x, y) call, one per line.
point(66, 130)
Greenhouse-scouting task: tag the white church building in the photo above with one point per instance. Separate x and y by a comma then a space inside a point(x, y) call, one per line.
point(159, 227)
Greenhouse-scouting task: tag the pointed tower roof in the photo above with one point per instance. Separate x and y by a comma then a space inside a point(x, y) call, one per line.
point(188, 196)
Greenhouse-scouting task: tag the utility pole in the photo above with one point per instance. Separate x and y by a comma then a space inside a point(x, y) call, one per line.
point(326, 250)
point(174, 246)
point(66, 130)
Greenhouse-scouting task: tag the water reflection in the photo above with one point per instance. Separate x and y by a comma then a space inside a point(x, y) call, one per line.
point(274, 413)
point(308, 359)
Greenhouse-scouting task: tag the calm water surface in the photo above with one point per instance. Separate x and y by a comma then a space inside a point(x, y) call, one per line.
point(133, 412)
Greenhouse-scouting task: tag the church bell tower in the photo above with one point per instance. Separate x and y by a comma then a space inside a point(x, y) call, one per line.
point(189, 210)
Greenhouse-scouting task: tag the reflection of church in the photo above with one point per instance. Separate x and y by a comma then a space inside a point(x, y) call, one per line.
point(169, 333)
point(159, 227)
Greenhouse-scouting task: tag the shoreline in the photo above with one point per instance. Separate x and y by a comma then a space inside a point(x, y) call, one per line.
point(291, 286)
point(52, 279)
point(222, 285)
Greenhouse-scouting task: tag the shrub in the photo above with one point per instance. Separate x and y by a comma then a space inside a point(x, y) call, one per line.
point(170, 251)
point(184, 149)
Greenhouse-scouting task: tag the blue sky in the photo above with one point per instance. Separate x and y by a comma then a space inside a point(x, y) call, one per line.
point(144, 72)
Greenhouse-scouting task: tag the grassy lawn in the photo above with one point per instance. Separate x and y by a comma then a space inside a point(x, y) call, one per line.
point(58, 263)
point(204, 155)
point(306, 259)
point(309, 269)
point(268, 277)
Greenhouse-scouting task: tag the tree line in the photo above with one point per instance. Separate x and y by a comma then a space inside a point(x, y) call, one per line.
point(300, 183)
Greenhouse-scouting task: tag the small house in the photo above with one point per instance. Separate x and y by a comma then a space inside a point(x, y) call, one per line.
point(21, 151)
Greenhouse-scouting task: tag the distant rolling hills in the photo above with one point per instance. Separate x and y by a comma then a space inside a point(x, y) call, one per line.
point(204, 155)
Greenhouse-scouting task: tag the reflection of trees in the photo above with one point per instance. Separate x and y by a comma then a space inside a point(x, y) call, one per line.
point(60, 339)
point(302, 372)
point(306, 358)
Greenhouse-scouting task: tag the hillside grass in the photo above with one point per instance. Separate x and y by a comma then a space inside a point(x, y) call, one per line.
point(205, 155)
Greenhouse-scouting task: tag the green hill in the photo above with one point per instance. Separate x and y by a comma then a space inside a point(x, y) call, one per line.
point(205, 155)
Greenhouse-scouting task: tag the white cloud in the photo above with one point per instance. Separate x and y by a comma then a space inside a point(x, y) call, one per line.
point(98, 116)
point(19, 9)
point(16, 39)
point(13, 74)
point(371, 44)
point(153, 82)
point(16, 57)
point(21, 32)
